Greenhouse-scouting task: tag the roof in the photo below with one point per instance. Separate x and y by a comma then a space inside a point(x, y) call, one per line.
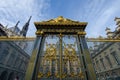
point(60, 21)
point(116, 18)
point(3, 33)
point(107, 29)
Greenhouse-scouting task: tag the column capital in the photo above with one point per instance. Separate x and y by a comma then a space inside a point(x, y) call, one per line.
point(39, 32)
point(81, 33)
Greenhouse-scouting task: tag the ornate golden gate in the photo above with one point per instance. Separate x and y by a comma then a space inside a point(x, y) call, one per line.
point(60, 52)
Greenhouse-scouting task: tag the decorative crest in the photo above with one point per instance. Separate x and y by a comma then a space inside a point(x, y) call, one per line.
point(61, 19)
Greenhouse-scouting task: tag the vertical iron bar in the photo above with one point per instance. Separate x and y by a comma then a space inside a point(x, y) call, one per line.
point(60, 38)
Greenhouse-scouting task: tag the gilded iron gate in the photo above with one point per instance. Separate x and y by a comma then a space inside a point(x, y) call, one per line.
point(57, 59)
point(60, 52)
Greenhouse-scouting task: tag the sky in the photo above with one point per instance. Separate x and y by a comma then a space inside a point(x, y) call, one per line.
point(98, 13)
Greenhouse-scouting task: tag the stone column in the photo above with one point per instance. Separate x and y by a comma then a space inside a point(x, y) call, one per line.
point(32, 70)
point(88, 66)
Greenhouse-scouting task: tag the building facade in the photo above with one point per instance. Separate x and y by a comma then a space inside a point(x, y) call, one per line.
point(106, 56)
point(13, 57)
point(13, 61)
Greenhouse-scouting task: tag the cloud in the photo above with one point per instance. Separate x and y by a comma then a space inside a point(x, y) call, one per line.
point(98, 13)
point(102, 20)
point(14, 10)
point(104, 17)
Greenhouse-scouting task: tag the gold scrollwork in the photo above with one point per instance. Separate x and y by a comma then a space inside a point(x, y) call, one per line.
point(81, 75)
point(40, 75)
point(72, 74)
point(64, 75)
point(57, 75)
point(48, 74)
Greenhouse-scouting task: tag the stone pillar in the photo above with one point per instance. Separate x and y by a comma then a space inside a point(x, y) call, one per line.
point(31, 73)
point(88, 66)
